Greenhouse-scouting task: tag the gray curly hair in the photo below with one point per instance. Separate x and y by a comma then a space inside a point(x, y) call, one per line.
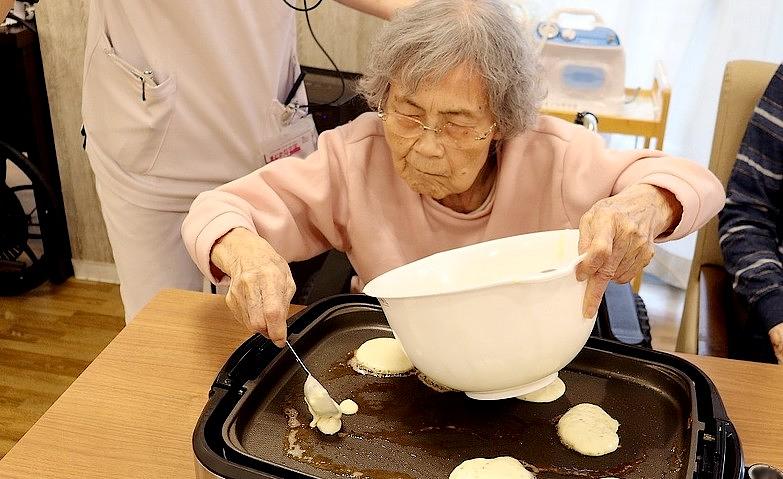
point(427, 40)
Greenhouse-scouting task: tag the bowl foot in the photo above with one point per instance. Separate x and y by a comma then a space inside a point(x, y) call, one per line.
point(513, 391)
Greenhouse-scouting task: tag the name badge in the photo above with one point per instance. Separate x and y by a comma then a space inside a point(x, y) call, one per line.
point(298, 138)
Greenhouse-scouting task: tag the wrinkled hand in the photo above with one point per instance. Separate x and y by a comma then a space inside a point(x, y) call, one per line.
point(261, 283)
point(776, 338)
point(618, 235)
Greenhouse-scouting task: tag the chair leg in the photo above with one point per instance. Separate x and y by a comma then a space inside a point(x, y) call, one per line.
point(636, 283)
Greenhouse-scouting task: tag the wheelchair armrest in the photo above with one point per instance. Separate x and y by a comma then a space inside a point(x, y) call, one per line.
point(622, 317)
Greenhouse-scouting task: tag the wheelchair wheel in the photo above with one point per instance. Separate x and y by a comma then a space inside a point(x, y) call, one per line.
point(644, 321)
point(23, 252)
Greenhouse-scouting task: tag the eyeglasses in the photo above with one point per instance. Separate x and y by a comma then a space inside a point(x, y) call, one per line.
point(458, 136)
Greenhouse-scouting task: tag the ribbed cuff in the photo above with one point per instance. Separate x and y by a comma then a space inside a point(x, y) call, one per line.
point(769, 308)
point(212, 231)
point(688, 198)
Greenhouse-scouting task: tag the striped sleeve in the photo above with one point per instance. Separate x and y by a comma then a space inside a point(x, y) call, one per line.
point(750, 222)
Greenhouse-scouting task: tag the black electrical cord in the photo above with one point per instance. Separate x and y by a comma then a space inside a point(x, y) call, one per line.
point(342, 77)
point(307, 11)
point(25, 22)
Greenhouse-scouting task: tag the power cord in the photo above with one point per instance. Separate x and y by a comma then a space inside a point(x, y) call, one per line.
point(307, 11)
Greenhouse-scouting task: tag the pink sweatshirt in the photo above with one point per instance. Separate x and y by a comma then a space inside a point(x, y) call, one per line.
point(347, 196)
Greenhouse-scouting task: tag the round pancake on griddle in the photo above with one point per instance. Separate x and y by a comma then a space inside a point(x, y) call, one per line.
point(382, 357)
point(498, 468)
point(589, 430)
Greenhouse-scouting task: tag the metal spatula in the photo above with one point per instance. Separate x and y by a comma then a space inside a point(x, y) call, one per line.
point(335, 409)
point(298, 360)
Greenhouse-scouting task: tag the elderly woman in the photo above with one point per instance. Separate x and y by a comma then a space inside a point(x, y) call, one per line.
point(455, 155)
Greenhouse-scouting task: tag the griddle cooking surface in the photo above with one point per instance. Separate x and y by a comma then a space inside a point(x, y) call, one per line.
point(406, 430)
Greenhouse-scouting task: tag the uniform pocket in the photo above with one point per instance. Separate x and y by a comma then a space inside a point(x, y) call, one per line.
point(125, 112)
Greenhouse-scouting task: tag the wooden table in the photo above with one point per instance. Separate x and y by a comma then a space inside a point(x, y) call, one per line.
point(132, 412)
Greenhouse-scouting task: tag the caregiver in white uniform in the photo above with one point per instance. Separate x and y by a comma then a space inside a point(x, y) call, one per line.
point(175, 102)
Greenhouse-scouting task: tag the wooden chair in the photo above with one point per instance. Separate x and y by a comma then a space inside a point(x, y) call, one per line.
point(709, 301)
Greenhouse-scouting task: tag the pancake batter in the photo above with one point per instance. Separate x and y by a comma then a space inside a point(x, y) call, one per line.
point(349, 407)
point(326, 413)
point(548, 393)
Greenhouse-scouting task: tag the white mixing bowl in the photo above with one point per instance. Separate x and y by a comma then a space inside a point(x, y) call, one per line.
point(496, 319)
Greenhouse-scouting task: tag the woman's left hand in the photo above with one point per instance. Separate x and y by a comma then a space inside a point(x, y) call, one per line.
point(618, 233)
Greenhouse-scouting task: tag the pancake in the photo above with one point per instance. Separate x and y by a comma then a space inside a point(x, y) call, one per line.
point(498, 468)
point(432, 384)
point(588, 430)
point(381, 357)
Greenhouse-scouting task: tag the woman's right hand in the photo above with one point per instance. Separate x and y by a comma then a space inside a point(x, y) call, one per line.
point(261, 283)
point(776, 338)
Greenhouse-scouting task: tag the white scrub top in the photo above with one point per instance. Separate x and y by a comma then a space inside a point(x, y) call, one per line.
point(176, 92)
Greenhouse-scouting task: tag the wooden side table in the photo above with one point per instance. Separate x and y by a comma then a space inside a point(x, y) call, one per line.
point(644, 113)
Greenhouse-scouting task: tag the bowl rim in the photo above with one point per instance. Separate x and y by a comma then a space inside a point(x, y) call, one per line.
point(540, 277)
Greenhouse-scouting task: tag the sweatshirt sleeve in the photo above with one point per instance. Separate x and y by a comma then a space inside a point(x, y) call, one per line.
point(592, 172)
point(297, 205)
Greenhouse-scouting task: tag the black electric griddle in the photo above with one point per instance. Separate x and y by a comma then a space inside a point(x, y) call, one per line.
point(255, 424)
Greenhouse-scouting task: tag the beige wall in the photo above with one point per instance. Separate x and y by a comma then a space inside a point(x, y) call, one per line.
point(344, 33)
point(62, 23)
point(62, 26)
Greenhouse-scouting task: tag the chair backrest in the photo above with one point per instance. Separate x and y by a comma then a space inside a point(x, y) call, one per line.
point(744, 81)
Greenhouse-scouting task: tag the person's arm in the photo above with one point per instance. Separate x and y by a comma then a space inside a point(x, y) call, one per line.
point(618, 235)
point(380, 8)
point(592, 172)
point(749, 236)
point(249, 229)
point(626, 201)
point(292, 203)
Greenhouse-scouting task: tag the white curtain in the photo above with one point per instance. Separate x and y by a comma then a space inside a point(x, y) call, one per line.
point(694, 39)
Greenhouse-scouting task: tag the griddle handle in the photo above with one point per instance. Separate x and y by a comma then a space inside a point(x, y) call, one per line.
point(732, 451)
point(720, 453)
point(226, 378)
